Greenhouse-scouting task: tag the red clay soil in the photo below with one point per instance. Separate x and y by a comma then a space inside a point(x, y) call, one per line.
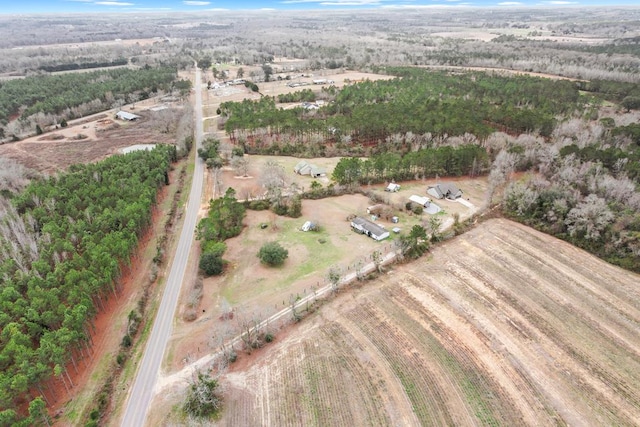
point(105, 337)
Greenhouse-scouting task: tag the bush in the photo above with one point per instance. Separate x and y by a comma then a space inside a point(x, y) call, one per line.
point(211, 263)
point(126, 341)
point(214, 247)
point(258, 205)
point(203, 398)
point(272, 254)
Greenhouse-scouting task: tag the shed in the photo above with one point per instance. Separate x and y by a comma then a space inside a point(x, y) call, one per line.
point(371, 229)
point(124, 115)
point(304, 168)
point(422, 201)
point(375, 209)
point(444, 190)
point(392, 187)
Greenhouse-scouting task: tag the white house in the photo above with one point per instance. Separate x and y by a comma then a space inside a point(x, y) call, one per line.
point(422, 201)
point(371, 229)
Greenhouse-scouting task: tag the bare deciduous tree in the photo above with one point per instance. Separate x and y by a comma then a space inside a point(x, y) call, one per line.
point(241, 165)
point(590, 217)
point(333, 276)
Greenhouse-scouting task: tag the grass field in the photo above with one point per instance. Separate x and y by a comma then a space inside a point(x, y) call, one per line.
point(500, 326)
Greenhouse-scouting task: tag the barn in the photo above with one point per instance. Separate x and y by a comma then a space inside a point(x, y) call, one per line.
point(304, 168)
point(124, 115)
point(371, 229)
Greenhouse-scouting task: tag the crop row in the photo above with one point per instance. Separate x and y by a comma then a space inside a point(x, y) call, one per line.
point(368, 385)
point(529, 284)
point(485, 399)
point(420, 382)
point(570, 326)
point(502, 329)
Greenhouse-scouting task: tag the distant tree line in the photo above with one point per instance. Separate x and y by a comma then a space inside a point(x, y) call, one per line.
point(83, 65)
point(305, 95)
point(59, 94)
point(425, 163)
point(64, 242)
point(418, 102)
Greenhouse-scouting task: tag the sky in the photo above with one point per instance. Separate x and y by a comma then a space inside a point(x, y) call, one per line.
point(97, 6)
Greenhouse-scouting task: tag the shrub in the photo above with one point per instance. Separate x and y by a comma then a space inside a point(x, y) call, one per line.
point(259, 205)
point(203, 398)
point(126, 341)
point(272, 254)
point(211, 263)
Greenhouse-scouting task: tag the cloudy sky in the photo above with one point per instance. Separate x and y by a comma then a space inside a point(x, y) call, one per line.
point(51, 6)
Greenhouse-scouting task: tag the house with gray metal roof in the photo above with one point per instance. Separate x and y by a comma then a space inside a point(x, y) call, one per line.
point(445, 190)
point(304, 168)
point(371, 229)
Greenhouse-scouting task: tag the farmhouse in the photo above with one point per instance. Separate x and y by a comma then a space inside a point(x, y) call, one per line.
point(422, 201)
point(304, 168)
point(392, 187)
point(371, 229)
point(444, 190)
point(123, 115)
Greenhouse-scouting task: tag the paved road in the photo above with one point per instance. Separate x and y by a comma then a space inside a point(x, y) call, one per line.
point(142, 391)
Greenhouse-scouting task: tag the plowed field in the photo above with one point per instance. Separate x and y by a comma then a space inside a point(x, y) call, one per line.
point(501, 326)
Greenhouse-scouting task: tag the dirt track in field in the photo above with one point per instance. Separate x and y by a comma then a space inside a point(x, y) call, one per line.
point(501, 326)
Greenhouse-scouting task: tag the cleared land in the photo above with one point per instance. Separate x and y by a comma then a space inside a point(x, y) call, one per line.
point(250, 286)
point(501, 326)
point(87, 140)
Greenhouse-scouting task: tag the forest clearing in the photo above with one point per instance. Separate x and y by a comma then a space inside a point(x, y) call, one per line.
point(503, 326)
point(252, 288)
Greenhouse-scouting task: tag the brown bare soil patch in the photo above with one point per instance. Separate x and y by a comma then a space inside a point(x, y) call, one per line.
point(501, 326)
point(88, 141)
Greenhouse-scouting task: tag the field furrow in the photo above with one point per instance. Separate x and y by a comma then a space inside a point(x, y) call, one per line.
point(365, 388)
point(501, 326)
point(414, 373)
point(478, 354)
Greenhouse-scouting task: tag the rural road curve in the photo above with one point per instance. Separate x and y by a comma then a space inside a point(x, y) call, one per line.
point(141, 393)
